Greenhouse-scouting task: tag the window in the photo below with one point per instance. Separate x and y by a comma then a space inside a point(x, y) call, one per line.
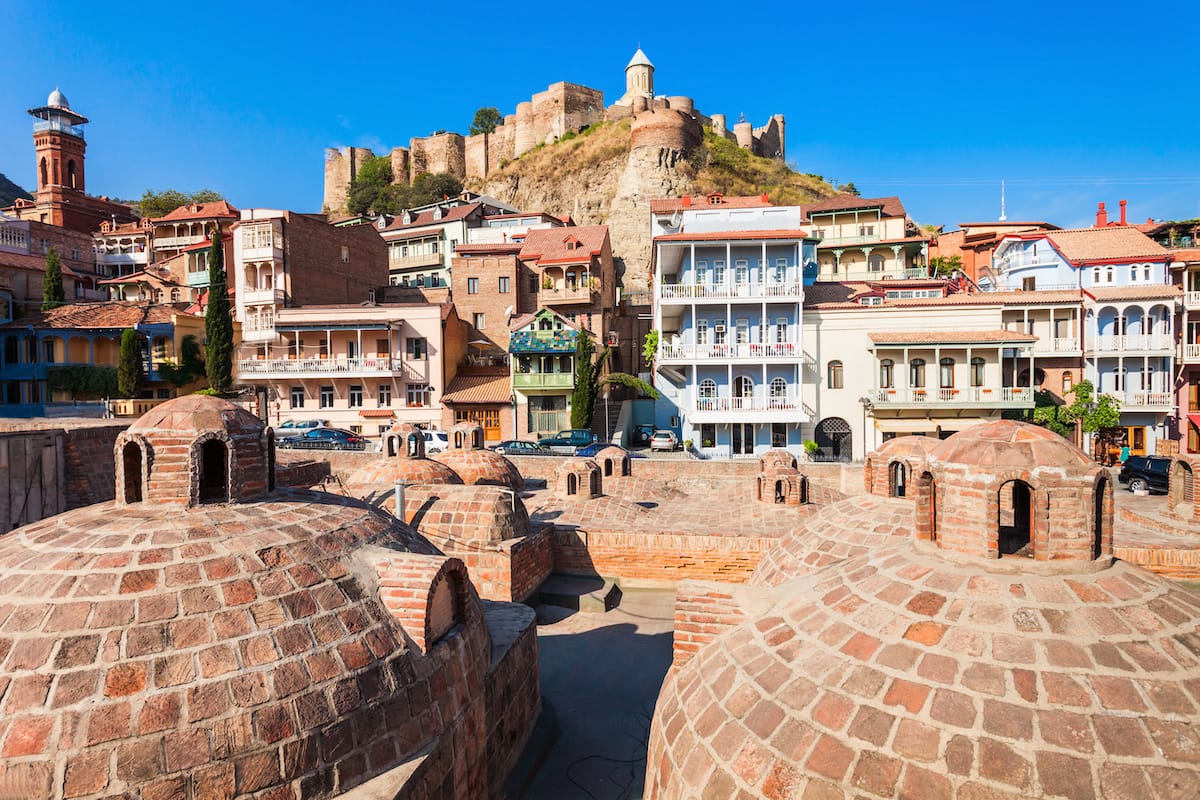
point(701, 331)
point(707, 394)
point(503, 284)
point(297, 397)
point(326, 397)
point(781, 330)
point(345, 254)
point(835, 375)
point(1068, 383)
point(742, 331)
point(977, 371)
point(946, 373)
point(383, 397)
point(708, 434)
point(477, 320)
point(741, 271)
point(743, 387)
point(875, 263)
point(916, 373)
point(778, 392)
point(719, 332)
point(719, 272)
point(887, 374)
point(416, 348)
point(472, 285)
point(47, 351)
point(356, 396)
point(778, 434)
point(533, 285)
point(417, 395)
point(866, 230)
point(870, 300)
point(1029, 284)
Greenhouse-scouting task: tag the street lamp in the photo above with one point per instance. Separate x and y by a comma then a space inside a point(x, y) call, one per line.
point(866, 406)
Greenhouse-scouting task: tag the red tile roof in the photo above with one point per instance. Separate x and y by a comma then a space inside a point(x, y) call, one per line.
point(892, 207)
point(669, 205)
point(1088, 245)
point(950, 337)
point(505, 248)
point(555, 245)
point(102, 315)
point(374, 413)
point(475, 389)
point(1151, 292)
point(736, 235)
point(1186, 254)
point(218, 209)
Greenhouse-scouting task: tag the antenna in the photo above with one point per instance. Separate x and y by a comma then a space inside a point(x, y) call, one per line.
point(1003, 216)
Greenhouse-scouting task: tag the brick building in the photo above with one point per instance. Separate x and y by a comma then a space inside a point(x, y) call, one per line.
point(24, 244)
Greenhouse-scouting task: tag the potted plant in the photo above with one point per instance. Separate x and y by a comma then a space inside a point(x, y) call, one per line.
point(547, 282)
point(811, 448)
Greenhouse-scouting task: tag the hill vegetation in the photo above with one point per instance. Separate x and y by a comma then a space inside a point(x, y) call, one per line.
point(9, 192)
point(721, 166)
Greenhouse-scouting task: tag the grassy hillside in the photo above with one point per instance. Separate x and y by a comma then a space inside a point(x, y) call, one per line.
point(721, 166)
point(9, 192)
point(597, 145)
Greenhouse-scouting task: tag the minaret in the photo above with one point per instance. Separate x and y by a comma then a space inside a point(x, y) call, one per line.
point(59, 145)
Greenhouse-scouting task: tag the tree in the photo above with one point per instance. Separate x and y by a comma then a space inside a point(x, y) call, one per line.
point(218, 325)
point(486, 120)
point(587, 379)
point(129, 364)
point(52, 285)
point(158, 204)
point(190, 366)
point(650, 347)
point(371, 188)
point(1095, 413)
point(849, 188)
point(428, 188)
point(945, 265)
point(631, 381)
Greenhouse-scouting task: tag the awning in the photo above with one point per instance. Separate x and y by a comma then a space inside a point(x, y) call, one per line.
point(960, 423)
point(905, 425)
point(1195, 419)
point(370, 413)
point(479, 390)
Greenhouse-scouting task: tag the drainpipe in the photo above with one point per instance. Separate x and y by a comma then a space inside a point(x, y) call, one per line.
point(400, 486)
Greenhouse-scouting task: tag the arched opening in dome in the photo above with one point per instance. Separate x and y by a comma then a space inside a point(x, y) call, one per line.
point(925, 497)
point(214, 473)
point(780, 492)
point(1014, 521)
point(1101, 516)
point(625, 467)
point(594, 475)
point(803, 490)
point(458, 440)
point(608, 468)
point(416, 445)
point(390, 446)
point(897, 478)
point(572, 484)
point(131, 466)
point(270, 460)
point(477, 438)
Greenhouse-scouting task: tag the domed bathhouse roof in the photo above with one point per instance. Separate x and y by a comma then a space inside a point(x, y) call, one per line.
point(886, 471)
point(482, 467)
point(938, 667)
point(402, 461)
point(234, 641)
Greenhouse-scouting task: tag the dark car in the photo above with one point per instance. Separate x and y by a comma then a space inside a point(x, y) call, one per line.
point(323, 439)
point(517, 447)
point(1145, 472)
point(568, 441)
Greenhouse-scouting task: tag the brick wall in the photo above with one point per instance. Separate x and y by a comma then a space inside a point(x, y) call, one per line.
point(703, 611)
point(90, 467)
point(317, 275)
point(512, 694)
point(487, 271)
point(668, 557)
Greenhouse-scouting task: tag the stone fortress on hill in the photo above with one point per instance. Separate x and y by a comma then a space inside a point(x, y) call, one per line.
point(657, 121)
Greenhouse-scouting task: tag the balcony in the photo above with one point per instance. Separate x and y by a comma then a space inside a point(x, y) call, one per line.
point(1132, 343)
point(1191, 353)
point(769, 290)
point(262, 297)
point(777, 351)
point(319, 367)
point(1144, 401)
point(198, 278)
point(783, 408)
point(567, 296)
point(123, 259)
point(535, 381)
point(415, 261)
point(173, 242)
point(1058, 344)
point(59, 126)
point(1191, 300)
point(972, 397)
point(261, 251)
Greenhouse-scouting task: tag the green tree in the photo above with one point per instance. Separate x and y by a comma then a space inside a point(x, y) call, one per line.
point(129, 364)
point(371, 189)
point(587, 379)
point(849, 188)
point(1095, 413)
point(427, 188)
point(158, 204)
point(486, 120)
point(631, 381)
point(190, 366)
point(944, 265)
point(52, 284)
point(218, 325)
point(650, 347)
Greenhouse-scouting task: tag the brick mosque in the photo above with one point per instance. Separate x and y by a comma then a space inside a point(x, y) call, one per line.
point(948, 622)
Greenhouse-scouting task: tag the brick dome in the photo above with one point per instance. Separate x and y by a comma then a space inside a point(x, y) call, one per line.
point(148, 650)
point(466, 517)
point(1007, 442)
point(905, 673)
point(841, 530)
point(887, 470)
point(486, 467)
point(614, 462)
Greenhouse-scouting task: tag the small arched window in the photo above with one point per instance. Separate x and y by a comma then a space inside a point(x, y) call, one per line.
point(572, 484)
point(71, 173)
point(131, 461)
point(743, 387)
point(836, 378)
point(44, 172)
point(708, 388)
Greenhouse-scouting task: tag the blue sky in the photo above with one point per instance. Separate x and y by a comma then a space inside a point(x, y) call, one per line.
point(1070, 103)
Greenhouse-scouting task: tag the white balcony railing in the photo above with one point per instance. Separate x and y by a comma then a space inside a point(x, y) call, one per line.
point(170, 242)
point(787, 402)
point(719, 291)
point(972, 396)
point(262, 252)
point(258, 297)
point(369, 365)
point(1191, 353)
point(1131, 342)
point(751, 352)
point(122, 258)
point(1057, 344)
point(1141, 399)
point(1191, 300)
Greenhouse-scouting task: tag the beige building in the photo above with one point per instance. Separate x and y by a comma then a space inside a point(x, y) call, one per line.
point(866, 239)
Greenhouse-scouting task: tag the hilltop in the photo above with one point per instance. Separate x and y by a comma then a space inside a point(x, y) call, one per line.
point(9, 192)
point(598, 177)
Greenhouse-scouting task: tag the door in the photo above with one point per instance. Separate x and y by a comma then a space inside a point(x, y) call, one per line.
point(743, 439)
point(1135, 438)
point(486, 418)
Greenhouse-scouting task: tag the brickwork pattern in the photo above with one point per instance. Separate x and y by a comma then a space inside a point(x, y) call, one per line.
point(512, 692)
point(899, 673)
point(458, 518)
point(906, 451)
point(89, 468)
point(703, 611)
point(579, 479)
point(482, 467)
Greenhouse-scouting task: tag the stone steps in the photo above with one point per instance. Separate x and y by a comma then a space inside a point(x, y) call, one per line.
point(592, 594)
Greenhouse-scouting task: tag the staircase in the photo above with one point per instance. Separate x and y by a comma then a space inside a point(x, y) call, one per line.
point(604, 421)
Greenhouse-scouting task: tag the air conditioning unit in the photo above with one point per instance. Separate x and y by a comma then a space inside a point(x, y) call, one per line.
point(719, 327)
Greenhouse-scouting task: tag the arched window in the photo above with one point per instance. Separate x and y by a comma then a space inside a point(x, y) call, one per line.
point(458, 440)
point(946, 373)
point(572, 484)
point(71, 173)
point(743, 387)
point(887, 374)
point(778, 388)
point(875, 263)
point(607, 467)
point(708, 388)
point(1068, 383)
point(835, 375)
point(916, 373)
point(595, 481)
point(45, 174)
point(214, 477)
point(131, 460)
point(977, 365)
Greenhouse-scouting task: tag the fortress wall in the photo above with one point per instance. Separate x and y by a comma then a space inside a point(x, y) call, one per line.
point(667, 128)
point(340, 168)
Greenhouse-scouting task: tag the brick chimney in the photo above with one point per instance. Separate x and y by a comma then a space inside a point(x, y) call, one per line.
point(687, 200)
point(1123, 204)
point(1101, 216)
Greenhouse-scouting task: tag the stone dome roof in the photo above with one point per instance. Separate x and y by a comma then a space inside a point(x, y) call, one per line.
point(486, 467)
point(906, 447)
point(639, 60)
point(57, 99)
point(458, 518)
point(903, 673)
point(383, 473)
point(841, 530)
point(198, 413)
point(242, 648)
point(1010, 443)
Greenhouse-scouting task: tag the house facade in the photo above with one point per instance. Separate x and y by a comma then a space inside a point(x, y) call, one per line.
point(866, 239)
point(542, 348)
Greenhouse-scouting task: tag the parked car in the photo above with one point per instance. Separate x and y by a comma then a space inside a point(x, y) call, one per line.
point(664, 440)
point(323, 439)
point(436, 441)
point(566, 442)
point(517, 447)
point(1145, 472)
point(640, 437)
point(290, 427)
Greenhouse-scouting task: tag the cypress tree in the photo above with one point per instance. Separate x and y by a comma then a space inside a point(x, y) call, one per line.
point(129, 366)
point(52, 285)
point(218, 325)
